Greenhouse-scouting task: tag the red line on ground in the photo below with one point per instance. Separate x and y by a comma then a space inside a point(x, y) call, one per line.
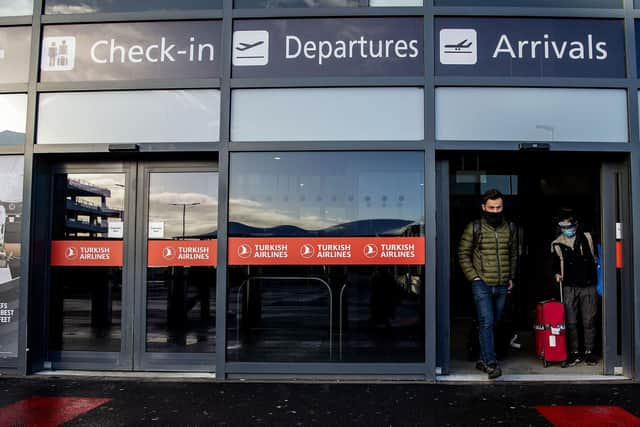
point(47, 411)
point(588, 416)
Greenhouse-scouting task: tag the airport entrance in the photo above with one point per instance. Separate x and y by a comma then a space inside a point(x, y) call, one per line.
point(132, 266)
point(536, 186)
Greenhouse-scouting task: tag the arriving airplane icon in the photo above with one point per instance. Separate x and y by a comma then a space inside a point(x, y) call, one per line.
point(247, 46)
point(458, 46)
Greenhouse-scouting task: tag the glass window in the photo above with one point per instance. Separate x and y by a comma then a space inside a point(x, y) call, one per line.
point(129, 116)
point(109, 6)
point(16, 7)
point(13, 118)
point(599, 4)
point(324, 3)
point(15, 49)
point(531, 114)
point(304, 281)
point(11, 175)
point(327, 114)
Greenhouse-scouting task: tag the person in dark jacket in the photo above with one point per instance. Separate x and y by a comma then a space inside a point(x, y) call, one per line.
point(574, 267)
point(488, 257)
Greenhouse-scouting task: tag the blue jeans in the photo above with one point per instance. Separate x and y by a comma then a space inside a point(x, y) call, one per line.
point(490, 302)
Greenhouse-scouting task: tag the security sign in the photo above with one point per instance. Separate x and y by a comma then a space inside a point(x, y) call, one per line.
point(86, 253)
point(330, 250)
point(182, 253)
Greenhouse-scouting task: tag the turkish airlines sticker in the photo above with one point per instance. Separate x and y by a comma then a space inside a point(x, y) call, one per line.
point(86, 253)
point(182, 253)
point(323, 251)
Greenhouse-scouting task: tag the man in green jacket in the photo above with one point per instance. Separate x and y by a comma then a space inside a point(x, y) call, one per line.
point(488, 255)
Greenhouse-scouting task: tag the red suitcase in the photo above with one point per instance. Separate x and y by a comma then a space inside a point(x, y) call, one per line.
point(550, 333)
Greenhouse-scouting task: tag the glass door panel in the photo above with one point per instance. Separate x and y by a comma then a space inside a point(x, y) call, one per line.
point(87, 262)
point(180, 291)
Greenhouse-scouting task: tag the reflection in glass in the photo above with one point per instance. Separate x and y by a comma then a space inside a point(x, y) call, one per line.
point(86, 302)
point(324, 3)
point(599, 4)
point(125, 117)
point(16, 7)
point(11, 177)
point(109, 6)
point(528, 114)
point(13, 118)
point(15, 46)
point(326, 313)
point(327, 114)
point(181, 299)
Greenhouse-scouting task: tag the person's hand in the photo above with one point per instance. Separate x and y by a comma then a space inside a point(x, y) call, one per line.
point(558, 278)
point(509, 285)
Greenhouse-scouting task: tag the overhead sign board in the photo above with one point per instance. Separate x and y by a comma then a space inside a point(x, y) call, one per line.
point(326, 251)
point(131, 51)
point(529, 47)
point(15, 49)
point(328, 47)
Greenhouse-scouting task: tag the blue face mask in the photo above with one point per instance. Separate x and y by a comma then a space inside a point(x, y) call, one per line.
point(569, 232)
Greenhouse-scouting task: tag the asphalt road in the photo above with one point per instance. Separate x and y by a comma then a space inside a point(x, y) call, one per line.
point(115, 402)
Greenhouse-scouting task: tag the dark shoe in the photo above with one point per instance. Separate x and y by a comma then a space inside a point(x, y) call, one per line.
point(481, 366)
point(590, 358)
point(573, 360)
point(493, 371)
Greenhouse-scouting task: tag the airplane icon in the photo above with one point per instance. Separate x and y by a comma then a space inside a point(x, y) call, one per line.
point(306, 251)
point(71, 253)
point(459, 46)
point(244, 251)
point(370, 250)
point(247, 46)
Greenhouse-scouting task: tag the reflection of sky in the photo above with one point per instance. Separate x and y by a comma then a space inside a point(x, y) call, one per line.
point(115, 182)
point(167, 189)
point(317, 190)
point(91, 6)
point(13, 112)
point(11, 175)
point(111, 117)
point(16, 7)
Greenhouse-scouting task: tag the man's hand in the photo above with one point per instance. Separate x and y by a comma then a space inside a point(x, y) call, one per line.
point(558, 278)
point(509, 285)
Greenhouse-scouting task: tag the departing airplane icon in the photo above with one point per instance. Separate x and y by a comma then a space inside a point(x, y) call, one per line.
point(247, 46)
point(458, 46)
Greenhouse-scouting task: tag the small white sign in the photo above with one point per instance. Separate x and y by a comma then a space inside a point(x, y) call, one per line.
point(116, 229)
point(58, 53)
point(618, 231)
point(156, 230)
point(250, 48)
point(552, 341)
point(458, 46)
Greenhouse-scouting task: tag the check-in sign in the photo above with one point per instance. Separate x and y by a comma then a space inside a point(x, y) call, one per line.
point(530, 47)
point(390, 46)
point(131, 51)
point(327, 251)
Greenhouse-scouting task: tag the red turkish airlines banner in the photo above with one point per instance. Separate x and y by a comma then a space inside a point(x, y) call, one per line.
point(182, 253)
point(326, 250)
point(86, 253)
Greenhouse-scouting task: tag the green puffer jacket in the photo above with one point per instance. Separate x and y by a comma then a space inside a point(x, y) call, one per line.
point(495, 256)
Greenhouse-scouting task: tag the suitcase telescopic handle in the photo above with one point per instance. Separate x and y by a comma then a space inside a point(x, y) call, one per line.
point(561, 293)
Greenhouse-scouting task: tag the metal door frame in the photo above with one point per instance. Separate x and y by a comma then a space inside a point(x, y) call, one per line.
point(161, 361)
point(102, 360)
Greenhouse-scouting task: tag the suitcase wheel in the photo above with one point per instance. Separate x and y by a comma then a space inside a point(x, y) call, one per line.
point(545, 363)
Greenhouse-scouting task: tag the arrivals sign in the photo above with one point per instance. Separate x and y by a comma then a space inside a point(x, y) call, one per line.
point(324, 251)
point(131, 51)
point(328, 47)
point(15, 49)
point(182, 253)
point(530, 47)
point(86, 253)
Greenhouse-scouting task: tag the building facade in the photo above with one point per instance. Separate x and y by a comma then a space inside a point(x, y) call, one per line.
point(277, 188)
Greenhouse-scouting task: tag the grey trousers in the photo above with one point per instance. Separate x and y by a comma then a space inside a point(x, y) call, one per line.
point(581, 302)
